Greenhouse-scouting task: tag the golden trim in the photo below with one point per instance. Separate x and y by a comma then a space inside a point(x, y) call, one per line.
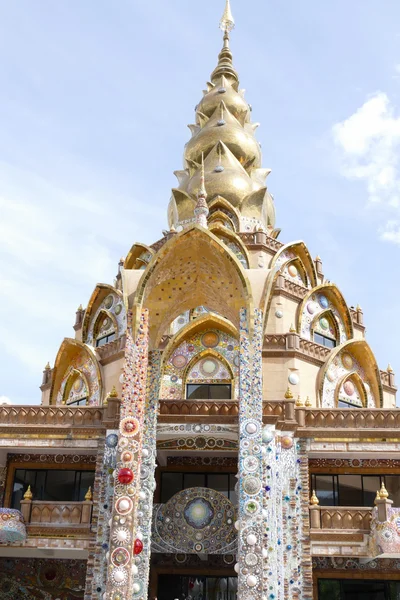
point(137, 249)
point(100, 291)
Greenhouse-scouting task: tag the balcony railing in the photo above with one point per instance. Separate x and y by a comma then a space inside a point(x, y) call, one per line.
point(341, 517)
point(41, 514)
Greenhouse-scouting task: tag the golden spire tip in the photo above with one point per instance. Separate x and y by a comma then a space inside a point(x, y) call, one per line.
point(314, 499)
point(227, 22)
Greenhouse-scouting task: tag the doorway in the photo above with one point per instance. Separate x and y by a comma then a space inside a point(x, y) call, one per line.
point(358, 589)
point(196, 587)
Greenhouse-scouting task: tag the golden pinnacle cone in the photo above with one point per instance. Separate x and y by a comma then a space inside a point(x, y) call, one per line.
point(288, 394)
point(308, 402)
point(377, 497)
point(383, 493)
point(389, 368)
point(28, 494)
point(292, 329)
point(299, 401)
point(314, 500)
point(89, 495)
point(113, 393)
point(47, 367)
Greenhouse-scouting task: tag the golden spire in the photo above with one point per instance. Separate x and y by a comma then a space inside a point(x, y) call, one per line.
point(308, 402)
point(299, 401)
point(225, 64)
point(314, 500)
point(89, 495)
point(377, 497)
point(227, 22)
point(389, 368)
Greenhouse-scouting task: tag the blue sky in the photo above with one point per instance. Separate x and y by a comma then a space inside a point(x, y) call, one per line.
point(95, 99)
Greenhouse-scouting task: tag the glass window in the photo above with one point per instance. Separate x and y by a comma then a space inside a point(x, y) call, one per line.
point(207, 391)
point(392, 483)
point(371, 483)
point(194, 480)
point(52, 485)
point(81, 402)
point(219, 482)
point(105, 339)
point(350, 490)
point(358, 589)
point(171, 484)
point(323, 340)
point(326, 489)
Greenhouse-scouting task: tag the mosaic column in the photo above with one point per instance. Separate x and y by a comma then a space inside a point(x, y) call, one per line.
point(286, 550)
point(96, 577)
point(124, 543)
point(250, 558)
point(148, 483)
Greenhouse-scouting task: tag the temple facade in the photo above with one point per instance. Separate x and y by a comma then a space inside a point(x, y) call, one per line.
point(217, 427)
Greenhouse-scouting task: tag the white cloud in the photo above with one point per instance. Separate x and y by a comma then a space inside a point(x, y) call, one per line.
point(5, 400)
point(369, 144)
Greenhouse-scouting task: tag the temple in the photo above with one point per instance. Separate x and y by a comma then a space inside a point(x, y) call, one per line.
point(217, 426)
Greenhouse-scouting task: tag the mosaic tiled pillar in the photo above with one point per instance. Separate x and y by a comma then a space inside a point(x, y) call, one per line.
point(250, 558)
point(124, 543)
point(96, 578)
point(286, 551)
point(148, 483)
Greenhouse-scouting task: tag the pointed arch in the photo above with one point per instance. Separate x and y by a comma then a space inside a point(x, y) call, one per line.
point(74, 356)
point(354, 396)
point(72, 393)
point(351, 358)
point(193, 268)
point(220, 205)
point(223, 372)
point(325, 324)
point(326, 296)
point(108, 299)
point(299, 250)
point(138, 256)
point(233, 242)
point(201, 324)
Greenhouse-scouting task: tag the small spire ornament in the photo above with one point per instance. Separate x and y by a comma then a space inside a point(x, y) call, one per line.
point(308, 402)
point(299, 401)
point(28, 494)
point(288, 394)
point(89, 495)
point(377, 497)
point(383, 493)
point(314, 500)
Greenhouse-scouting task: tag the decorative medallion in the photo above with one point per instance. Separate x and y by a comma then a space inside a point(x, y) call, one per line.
point(292, 270)
point(129, 426)
point(209, 367)
point(349, 387)
point(323, 301)
point(109, 301)
point(347, 361)
point(324, 323)
point(179, 361)
point(210, 339)
point(120, 557)
point(294, 378)
point(198, 513)
point(279, 314)
point(124, 505)
point(251, 485)
point(112, 440)
point(118, 309)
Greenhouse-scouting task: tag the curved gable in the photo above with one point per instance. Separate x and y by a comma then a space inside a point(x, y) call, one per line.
point(320, 301)
point(108, 300)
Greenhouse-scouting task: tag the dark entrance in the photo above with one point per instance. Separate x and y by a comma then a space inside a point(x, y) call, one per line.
point(358, 589)
point(198, 587)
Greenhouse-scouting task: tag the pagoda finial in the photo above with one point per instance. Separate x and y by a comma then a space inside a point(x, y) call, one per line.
point(227, 22)
point(225, 66)
point(28, 494)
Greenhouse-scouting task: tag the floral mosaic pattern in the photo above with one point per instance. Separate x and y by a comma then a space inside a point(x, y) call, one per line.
point(196, 520)
point(114, 310)
point(291, 267)
point(125, 539)
point(12, 526)
point(316, 316)
point(283, 522)
point(343, 366)
point(148, 483)
point(36, 579)
point(250, 565)
point(175, 369)
point(385, 536)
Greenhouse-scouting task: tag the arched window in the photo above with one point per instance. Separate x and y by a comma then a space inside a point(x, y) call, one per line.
point(325, 330)
point(209, 378)
point(104, 329)
point(76, 392)
point(352, 393)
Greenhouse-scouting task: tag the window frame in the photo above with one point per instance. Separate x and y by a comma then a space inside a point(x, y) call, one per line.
point(38, 466)
point(336, 486)
point(225, 384)
point(231, 476)
point(324, 337)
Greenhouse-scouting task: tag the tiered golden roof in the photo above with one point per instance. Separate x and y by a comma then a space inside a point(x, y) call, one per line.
point(224, 134)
